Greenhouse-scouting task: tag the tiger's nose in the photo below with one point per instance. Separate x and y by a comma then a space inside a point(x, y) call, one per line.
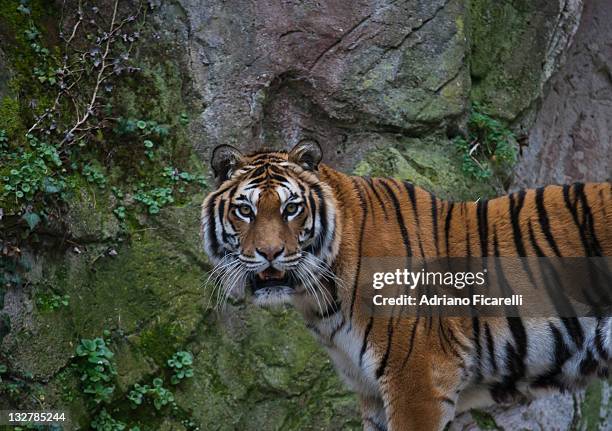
point(270, 253)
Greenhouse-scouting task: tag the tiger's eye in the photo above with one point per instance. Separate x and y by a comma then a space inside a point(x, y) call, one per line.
point(291, 208)
point(245, 210)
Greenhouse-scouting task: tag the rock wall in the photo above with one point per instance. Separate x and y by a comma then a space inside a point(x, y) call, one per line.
point(383, 86)
point(571, 139)
point(366, 74)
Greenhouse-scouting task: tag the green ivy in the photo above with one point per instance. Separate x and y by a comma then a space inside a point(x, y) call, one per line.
point(30, 170)
point(94, 175)
point(154, 199)
point(490, 148)
point(141, 127)
point(52, 301)
point(181, 366)
point(96, 369)
point(156, 393)
point(105, 422)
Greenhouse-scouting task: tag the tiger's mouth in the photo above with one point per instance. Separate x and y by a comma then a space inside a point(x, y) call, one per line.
point(270, 279)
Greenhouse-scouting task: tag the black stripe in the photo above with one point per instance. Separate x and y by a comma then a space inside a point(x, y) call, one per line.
point(318, 243)
point(468, 243)
point(398, 216)
point(560, 302)
point(533, 241)
point(447, 225)
point(574, 212)
point(456, 340)
point(599, 338)
point(364, 344)
point(505, 390)
point(265, 157)
point(412, 196)
point(367, 195)
point(520, 340)
point(363, 207)
point(543, 220)
point(490, 347)
point(591, 244)
point(442, 336)
point(445, 338)
point(331, 309)
point(313, 208)
point(562, 353)
point(515, 210)
point(221, 214)
point(482, 209)
point(434, 218)
point(212, 235)
point(476, 339)
point(282, 179)
point(374, 424)
point(592, 248)
point(378, 197)
point(504, 285)
point(385, 360)
point(258, 171)
point(230, 197)
point(413, 331)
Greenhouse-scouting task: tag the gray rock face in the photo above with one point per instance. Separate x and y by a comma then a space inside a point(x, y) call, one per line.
point(5, 75)
point(272, 72)
point(505, 39)
point(572, 136)
point(361, 74)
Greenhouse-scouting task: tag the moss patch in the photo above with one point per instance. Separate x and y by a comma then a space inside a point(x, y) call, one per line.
point(484, 420)
point(509, 40)
point(431, 163)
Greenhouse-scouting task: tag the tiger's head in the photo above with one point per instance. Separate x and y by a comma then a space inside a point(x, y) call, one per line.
point(270, 226)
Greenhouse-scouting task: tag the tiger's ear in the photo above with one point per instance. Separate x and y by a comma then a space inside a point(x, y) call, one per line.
point(224, 161)
point(307, 153)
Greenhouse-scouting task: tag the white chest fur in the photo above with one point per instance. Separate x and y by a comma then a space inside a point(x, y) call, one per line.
point(345, 350)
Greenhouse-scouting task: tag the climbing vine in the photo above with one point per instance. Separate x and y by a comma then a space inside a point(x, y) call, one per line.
point(76, 130)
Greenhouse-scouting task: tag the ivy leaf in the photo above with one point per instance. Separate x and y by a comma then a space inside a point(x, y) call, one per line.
point(24, 10)
point(32, 219)
point(50, 187)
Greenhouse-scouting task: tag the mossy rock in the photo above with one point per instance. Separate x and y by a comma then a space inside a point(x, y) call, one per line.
point(262, 370)
point(431, 163)
point(596, 407)
point(509, 43)
point(251, 366)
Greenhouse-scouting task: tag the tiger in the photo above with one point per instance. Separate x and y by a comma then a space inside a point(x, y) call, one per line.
point(283, 228)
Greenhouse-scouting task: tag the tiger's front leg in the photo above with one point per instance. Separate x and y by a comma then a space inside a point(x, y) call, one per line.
point(417, 409)
point(373, 414)
point(419, 396)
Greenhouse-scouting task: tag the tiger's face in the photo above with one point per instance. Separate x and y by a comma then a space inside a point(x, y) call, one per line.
point(270, 224)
